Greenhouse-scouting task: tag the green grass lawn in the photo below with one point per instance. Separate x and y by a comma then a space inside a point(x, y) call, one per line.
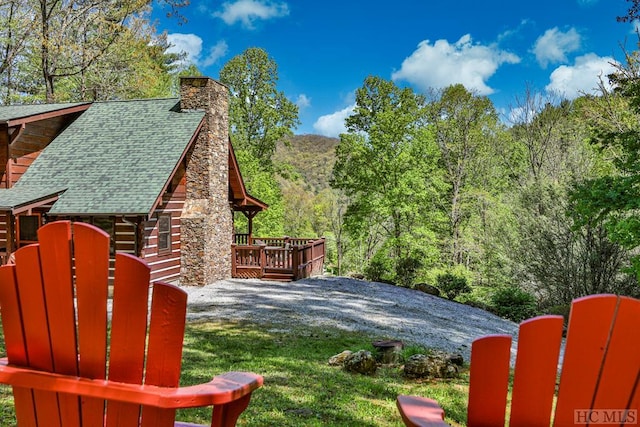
point(300, 388)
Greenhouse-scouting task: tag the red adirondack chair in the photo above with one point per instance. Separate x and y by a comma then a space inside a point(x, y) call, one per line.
point(598, 381)
point(67, 369)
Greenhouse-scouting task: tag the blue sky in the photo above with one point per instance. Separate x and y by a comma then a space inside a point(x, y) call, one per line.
point(325, 49)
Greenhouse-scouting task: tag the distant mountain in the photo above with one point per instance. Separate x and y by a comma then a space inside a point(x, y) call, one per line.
point(311, 157)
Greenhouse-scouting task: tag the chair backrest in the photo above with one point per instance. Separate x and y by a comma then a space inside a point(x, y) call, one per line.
point(600, 371)
point(55, 318)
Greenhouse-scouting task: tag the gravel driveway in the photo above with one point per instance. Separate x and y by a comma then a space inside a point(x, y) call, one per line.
point(384, 311)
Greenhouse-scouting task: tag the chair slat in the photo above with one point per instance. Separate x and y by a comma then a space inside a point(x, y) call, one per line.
point(622, 360)
point(36, 328)
point(536, 371)
point(15, 344)
point(55, 260)
point(128, 333)
point(588, 333)
point(11, 317)
point(164, 352)
point(488, 382)
point(634, 403)
point(34, 313)
point(25, 407)
point(91, 249)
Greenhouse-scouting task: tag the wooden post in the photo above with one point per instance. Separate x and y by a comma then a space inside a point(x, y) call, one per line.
point(139, 230)
point(263, 260)
point(234, 262)
point(295, 262)
point(11, 222)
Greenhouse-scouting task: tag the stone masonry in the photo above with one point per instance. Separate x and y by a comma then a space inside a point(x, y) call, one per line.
point(207, 219)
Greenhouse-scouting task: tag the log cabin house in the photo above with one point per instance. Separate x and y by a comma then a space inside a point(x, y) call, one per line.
point(158, 175)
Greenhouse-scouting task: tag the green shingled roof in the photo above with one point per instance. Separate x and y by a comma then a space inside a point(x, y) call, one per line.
point(12, 198)
point(11, 112)
point(115, 158)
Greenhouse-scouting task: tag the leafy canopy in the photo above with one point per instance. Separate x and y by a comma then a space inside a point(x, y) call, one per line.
point(260, 115)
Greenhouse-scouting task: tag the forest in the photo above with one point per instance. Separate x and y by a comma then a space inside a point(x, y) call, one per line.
point(519, 211)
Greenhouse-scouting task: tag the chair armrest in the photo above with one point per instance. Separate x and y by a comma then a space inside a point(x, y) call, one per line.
point(420, 411)
point(222, 389)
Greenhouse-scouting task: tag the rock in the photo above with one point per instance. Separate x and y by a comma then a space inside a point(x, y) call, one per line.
point(338, 359)
point(456, 359)
point(388, 351)
point(361, 362)
point(435, 365)
point(427, 289)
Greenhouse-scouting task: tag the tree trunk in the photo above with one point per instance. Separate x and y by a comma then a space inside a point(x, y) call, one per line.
point(44, 48)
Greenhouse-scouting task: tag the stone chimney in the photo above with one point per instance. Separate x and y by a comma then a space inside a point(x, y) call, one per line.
point(207, 219)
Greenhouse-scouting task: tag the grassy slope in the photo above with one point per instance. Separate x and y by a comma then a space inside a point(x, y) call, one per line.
point(300, 388)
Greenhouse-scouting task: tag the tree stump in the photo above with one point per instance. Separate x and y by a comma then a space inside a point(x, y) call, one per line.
point(388, 352)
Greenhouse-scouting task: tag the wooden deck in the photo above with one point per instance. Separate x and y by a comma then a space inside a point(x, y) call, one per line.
point(276, 258)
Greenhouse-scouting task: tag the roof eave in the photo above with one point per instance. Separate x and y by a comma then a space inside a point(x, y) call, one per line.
point(43, 116)
point(246, 199)
point(31, 204)
point(100, 214)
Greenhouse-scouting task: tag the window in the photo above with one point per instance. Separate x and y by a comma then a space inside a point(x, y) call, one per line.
point(164, 234)
point(28, 229)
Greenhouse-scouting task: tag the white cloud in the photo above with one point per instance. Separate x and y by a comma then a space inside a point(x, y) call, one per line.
point(188, 44)
point(333, 124)
point(191, 46)
point(442, 64)
point(215, 53)
point(303, 101)
point(582, 77)
point(510, 33)
point(553, 46)
point(249, 11)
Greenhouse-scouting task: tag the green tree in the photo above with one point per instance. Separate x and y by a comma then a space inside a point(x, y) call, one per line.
point(136, 66)
point(562, 261)
point(613, 197)
point(261, 183)
point(16, 27)
point(259, 117)
point(387, 166)
point(56, 50)
point(298, 215)
point(556, 257)
point(537, 128)
point(259, 114)
point(328, 221)
point(466, 128)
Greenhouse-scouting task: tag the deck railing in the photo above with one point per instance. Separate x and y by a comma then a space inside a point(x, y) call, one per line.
point(277, 258)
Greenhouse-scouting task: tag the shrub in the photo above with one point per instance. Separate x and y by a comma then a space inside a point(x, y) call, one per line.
point(562, 309)
point(479, 297)
point(514, 304)
point(452, 285)
point(407, 270)
point(380, 268)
